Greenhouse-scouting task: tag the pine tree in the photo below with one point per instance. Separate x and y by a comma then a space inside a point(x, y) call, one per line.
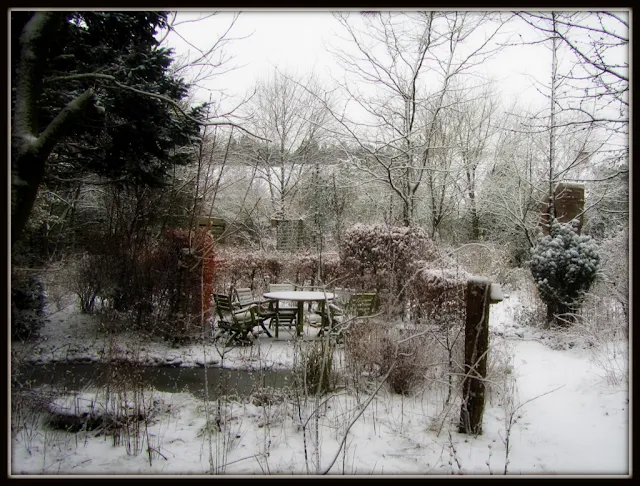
point(564, 265)
point(92, 92)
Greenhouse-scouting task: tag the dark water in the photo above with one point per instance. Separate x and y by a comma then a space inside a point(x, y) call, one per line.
point(77, 377)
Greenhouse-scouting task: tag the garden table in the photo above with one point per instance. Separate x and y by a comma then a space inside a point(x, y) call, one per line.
point(299, 296)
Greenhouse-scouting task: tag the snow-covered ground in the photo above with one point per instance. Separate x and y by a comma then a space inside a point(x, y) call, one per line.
point(566, 418)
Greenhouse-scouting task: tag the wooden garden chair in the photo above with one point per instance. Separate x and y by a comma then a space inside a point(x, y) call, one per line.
point(287, 308)
point(243, 297)
point(349, 305)
point(235, 322)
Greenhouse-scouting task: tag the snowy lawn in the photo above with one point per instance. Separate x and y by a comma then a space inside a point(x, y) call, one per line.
point(565, 418)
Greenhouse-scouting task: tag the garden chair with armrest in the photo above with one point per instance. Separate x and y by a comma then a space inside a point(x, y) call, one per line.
point(337, 305)
point(362, 304)
point(243, 297)
point(358, 305)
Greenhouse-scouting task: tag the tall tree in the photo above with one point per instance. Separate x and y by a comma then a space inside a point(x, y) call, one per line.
point(92, 91)
point(474, 120)
point(510, 194)
point(574, 139)
point(286, 111)
point(402, 66)
point(598, 45)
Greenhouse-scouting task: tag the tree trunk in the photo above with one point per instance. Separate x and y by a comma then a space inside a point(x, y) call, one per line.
point(29, 155)
point(24, 188)
point(407, 212)
point(475, 220)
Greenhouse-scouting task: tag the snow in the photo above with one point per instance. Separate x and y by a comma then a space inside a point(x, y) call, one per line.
point(495, 293)
point(570, 420)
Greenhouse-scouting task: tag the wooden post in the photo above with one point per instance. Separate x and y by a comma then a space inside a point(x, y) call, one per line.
point(480, 293)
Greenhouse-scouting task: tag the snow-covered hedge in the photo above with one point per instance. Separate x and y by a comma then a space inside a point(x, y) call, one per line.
point(402, 264)
point(437, 294)
point(257, 269)
point(384, 251)
point(383, 258)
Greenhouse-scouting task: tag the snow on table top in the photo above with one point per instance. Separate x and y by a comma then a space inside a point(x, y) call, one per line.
point(298, 295)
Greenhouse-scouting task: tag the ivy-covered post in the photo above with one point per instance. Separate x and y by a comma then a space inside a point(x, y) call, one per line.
point(480, 293)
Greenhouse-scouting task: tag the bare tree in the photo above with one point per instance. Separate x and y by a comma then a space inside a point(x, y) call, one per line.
point(510, 193)
point(443, 171)
point(402, 66)
point(202, 64)
point(547, 146)
point(515, 191)
point(475, 121)
point(598, 42)
point(286, 111)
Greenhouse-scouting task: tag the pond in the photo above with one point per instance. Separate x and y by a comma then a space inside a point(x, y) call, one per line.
point(220, 381)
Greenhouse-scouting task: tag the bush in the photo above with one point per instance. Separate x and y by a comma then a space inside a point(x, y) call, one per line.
point(379, 251)
point(383, 257)
point(564, 265)
point(615, 267)
point(192, 265)
point(437, 296)
point(365, 344)
point(408, 371)
point(90, 281)
point(317, 367)
point(370, 348)
point(152, 285)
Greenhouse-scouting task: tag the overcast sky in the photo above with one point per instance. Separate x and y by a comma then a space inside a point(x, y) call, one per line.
point(296, 41)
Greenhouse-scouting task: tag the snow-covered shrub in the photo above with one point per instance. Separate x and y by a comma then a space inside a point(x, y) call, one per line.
point(240, 268)
point(604, 315)
point(370, 350)
point(408, 364)
point(437, 295)
point(564, 265)
point(615, 268)
point(380, 257)
point(381, 249)
point(364, 345)
point(90, 280)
